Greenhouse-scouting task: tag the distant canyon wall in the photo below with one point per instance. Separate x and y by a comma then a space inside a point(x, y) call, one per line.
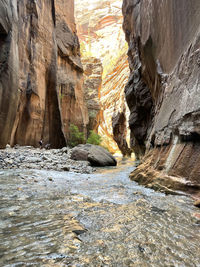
point(93, 70)
point(163, 91)
point(99, 26)
point(41, 75)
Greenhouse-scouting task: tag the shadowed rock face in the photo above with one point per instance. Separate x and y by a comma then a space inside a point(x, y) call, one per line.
point(9, 69)
point(41, 75)
point(163, 92)
point(120, 132)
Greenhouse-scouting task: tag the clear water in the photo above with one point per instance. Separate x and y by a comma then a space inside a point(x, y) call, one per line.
point(53, 218)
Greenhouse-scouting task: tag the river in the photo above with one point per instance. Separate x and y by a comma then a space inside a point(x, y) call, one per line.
point(51, 218)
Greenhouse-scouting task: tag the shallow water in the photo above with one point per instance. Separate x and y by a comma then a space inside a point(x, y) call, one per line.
point(53, 218)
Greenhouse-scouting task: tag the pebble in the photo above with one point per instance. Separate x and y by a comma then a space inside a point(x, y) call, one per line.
point(65, 168)
point(8, 161)
point(41, 159)
point(197, 203)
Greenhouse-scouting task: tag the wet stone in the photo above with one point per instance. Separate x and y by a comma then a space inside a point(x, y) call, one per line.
point(197, 203)
point(65, 168)
point(33, 158)
point(44, 222)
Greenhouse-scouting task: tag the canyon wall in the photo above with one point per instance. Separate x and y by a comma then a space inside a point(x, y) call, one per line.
point(41, 75)
point(92, 85)
point(114, 118)
point(9, 69)
point(99, 26)
point(163, 91)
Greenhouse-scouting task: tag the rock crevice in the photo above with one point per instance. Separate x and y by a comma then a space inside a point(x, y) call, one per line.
point(41, 74)
point(163, 89)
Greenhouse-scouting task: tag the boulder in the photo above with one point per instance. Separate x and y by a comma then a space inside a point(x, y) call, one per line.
point(96, 155)
point(78, 153)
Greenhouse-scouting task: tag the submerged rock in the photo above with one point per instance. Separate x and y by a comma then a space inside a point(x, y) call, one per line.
point(96, 155)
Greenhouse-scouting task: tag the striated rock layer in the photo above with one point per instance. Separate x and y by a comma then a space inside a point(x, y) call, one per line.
point(41, 75)
point(114, 123)
point(163, 92)
point(92, 85)
point(99, 25)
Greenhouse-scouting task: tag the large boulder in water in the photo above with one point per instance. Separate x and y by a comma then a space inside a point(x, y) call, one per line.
point(96, 155)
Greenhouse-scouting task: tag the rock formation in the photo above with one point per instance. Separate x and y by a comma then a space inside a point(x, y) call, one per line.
point(99, 25)
point(97, 156)
point(113, 102)
point(41, 74)
point(163, 91)
point(9, 69)
point(92, 85)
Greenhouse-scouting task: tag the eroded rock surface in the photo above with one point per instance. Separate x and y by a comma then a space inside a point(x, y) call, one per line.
point(9, 69)
point(99, 26)
point(92, 85)
point(163, 89)
point(41, 74)
point(96, 155)
point(119, 124)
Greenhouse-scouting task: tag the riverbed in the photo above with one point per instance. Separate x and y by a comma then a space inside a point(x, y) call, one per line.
point(54, 218)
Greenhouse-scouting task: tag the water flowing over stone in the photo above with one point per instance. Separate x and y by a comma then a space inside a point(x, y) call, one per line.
point(53, 218)
point(58, 210)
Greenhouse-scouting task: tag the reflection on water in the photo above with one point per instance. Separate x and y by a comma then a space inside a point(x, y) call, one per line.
point(103, 219)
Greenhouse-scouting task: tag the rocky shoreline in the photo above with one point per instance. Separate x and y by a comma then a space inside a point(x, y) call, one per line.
point(28, 157)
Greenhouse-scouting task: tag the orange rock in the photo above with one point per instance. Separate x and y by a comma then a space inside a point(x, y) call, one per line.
point(197, 203)
point(44, 94)
point(99, 25)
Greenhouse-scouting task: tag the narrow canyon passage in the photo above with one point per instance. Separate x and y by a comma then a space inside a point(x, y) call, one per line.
point(53, 218)
point(127, 71)
point(106, 70)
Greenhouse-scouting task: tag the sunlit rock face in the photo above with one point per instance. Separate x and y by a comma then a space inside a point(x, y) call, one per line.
point(113, 103)
point(41, 74)
point(99, 25)
point(163, 92)
point(92, 86)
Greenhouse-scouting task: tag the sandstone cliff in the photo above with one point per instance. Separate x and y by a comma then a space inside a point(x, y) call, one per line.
point(92, 85)
point(163, 91)
point(99, 25)
point(114, 118)
point(41, 75)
